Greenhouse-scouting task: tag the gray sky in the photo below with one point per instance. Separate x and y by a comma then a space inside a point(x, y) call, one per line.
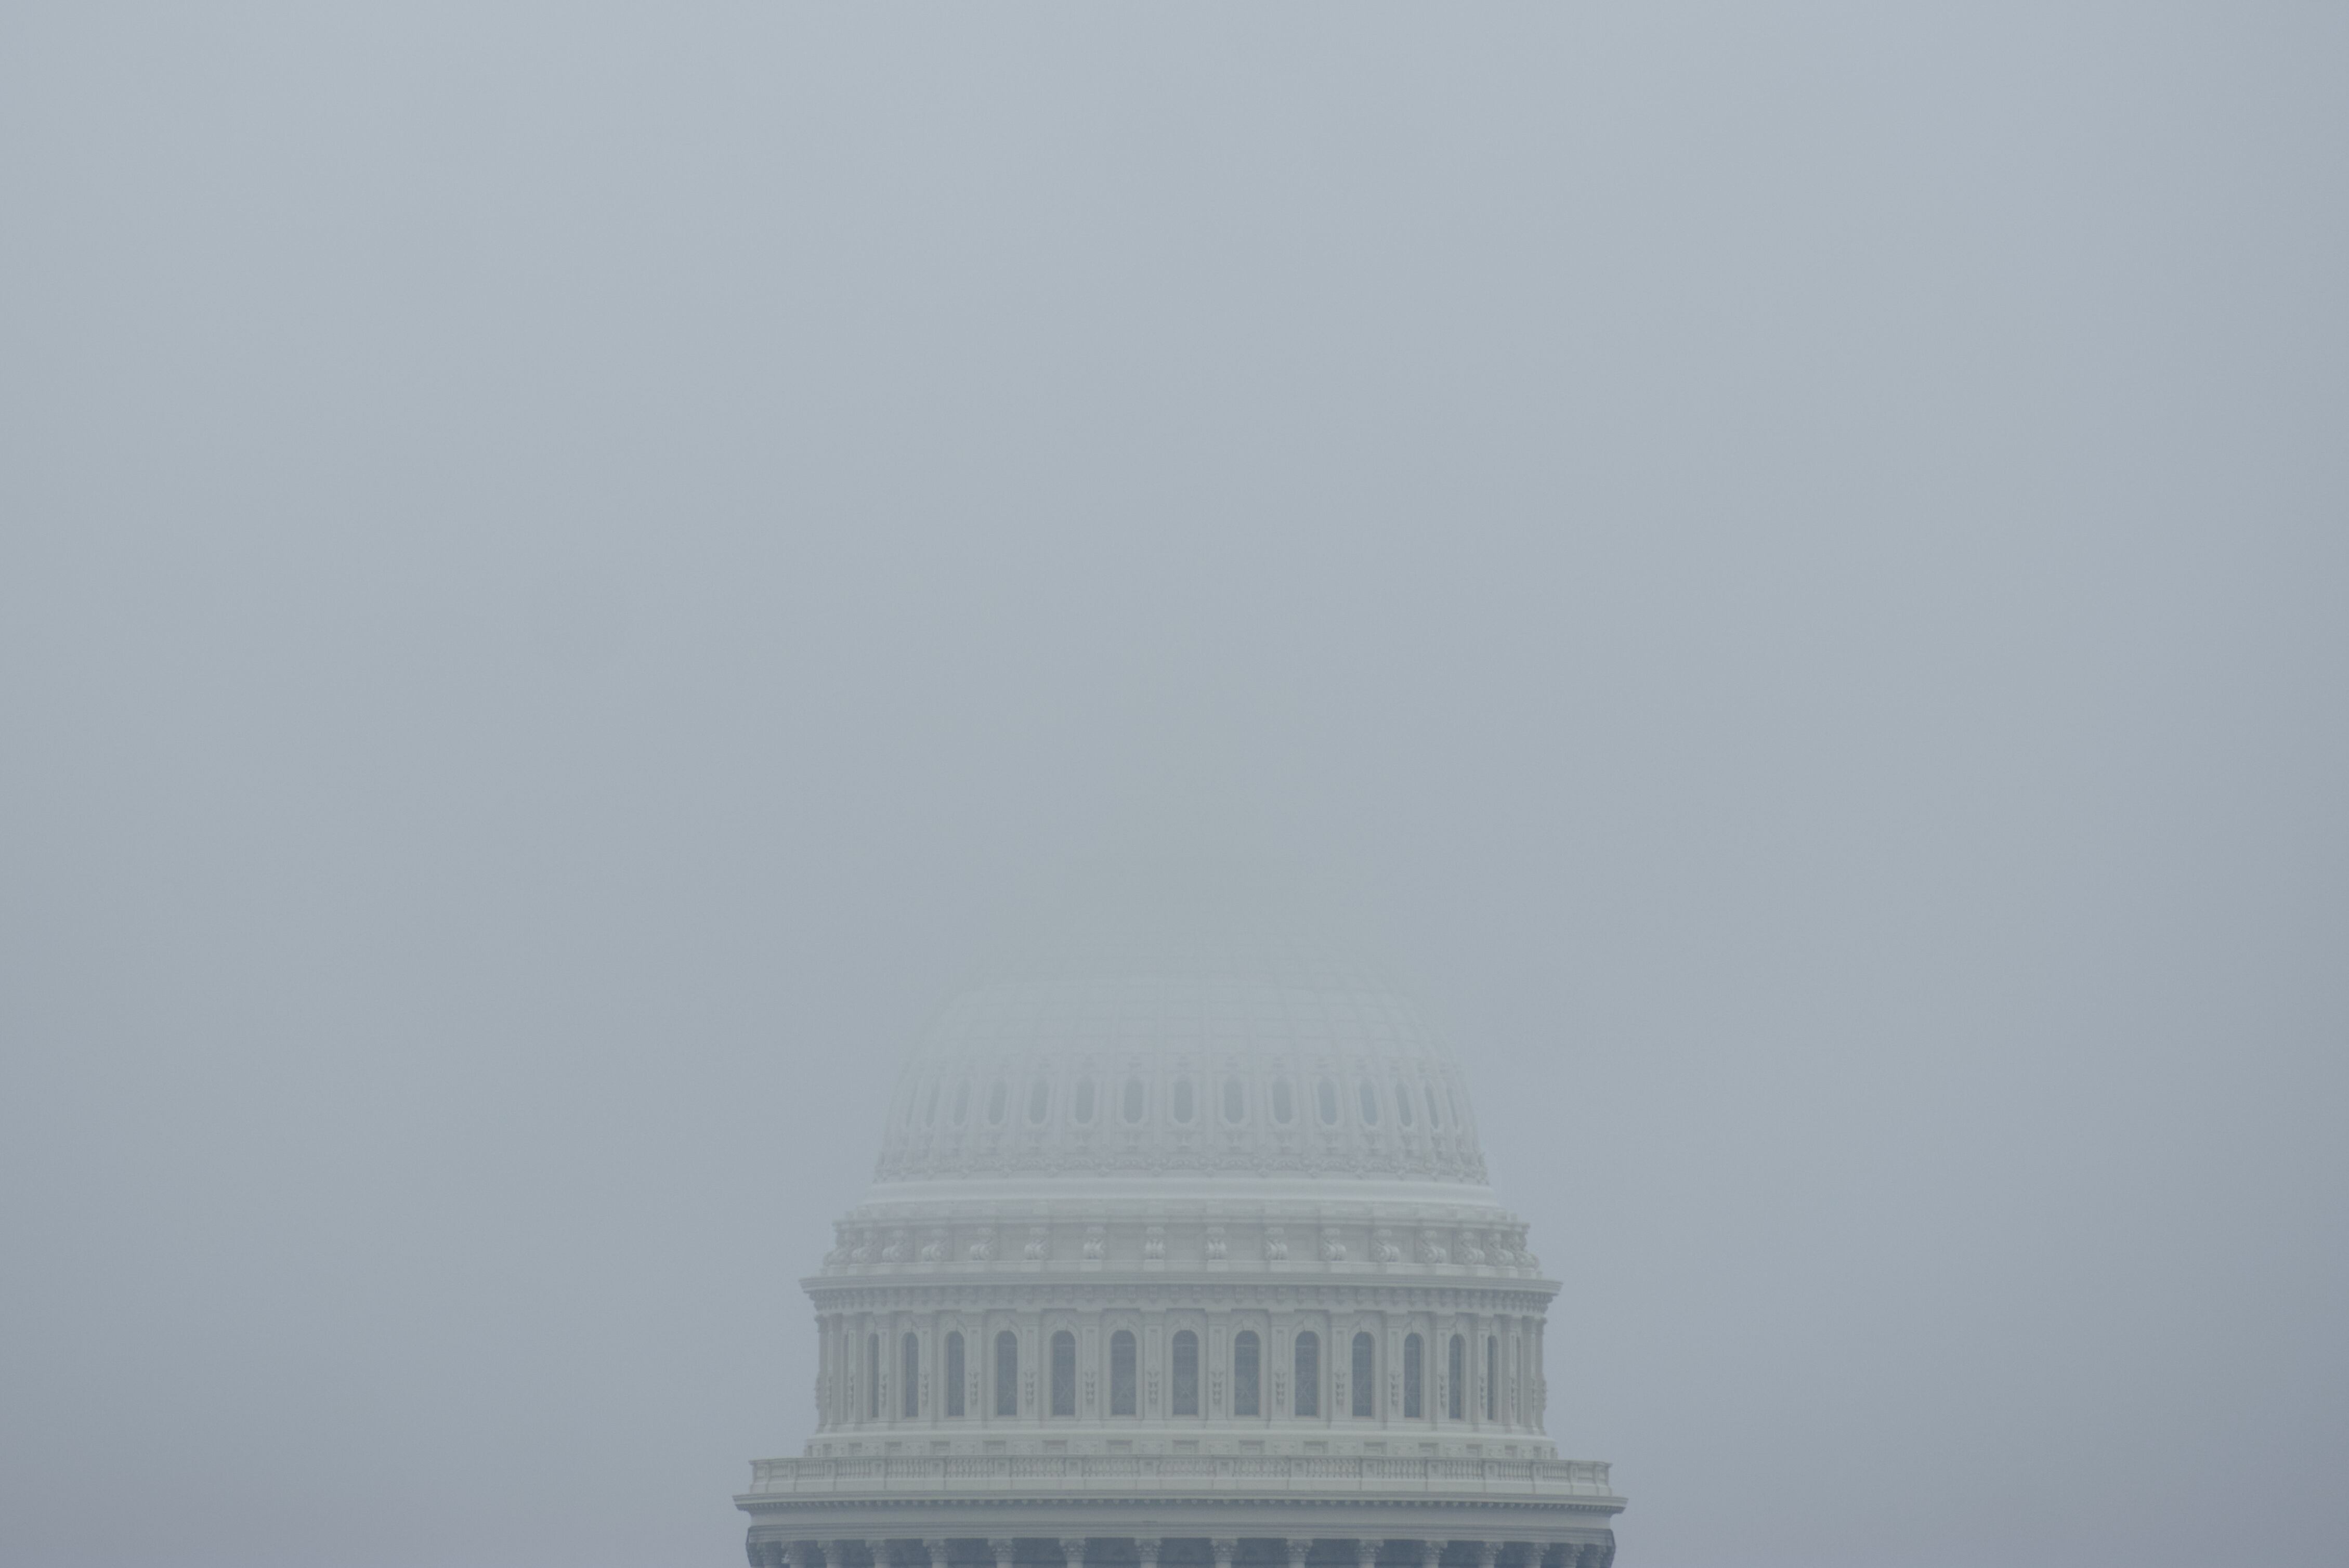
point(563, 571)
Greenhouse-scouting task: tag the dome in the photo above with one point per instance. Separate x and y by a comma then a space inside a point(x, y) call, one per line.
point(1215, 1057)
point(1180, 1255)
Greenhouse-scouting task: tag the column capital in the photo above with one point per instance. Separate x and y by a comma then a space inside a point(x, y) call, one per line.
point(936, 1548)
point(1431, 1553)
point(1003, 1551)
point(1366, 1553)
point(1300, 1549)
point(1224, 1547)
point(1072, 1547)
point(1145, 1549)
point(1488, 1553)
point(880, 1550)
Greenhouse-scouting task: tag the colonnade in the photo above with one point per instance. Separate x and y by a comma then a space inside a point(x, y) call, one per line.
point(940, 1369)
point(1147, 1551)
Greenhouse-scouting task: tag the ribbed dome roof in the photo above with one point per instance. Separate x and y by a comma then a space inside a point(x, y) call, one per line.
point(1134, 1050)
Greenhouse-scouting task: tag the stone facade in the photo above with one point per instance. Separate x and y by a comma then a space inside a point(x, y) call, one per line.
point(1181, 1260)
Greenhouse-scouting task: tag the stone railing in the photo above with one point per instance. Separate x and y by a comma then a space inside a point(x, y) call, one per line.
point(911, 1477)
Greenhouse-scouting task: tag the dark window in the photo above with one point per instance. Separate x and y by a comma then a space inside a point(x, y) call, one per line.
point(1403, 1103)
point(872, 1377)
point(1309, 1374)
point(910, 1363)
point(1133, 1099)
point(1413, 1378)
point(1492, 1379)
point(1183, 1100)
point(1327, 1095)
point(1007, 1374)
point(1282, 1109)
point(995, 1103)
point(1121, 1374)
point(953, 1375)
point(1084, 1099)
point(1245, 1369)
point(1365, 1384)
point(1039, 1099)
point(1186, 1373)
point(1235, 1100)
point(1065, 1374)
point(1455, 1395)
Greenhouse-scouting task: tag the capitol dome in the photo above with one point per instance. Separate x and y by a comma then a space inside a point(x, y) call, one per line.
point(1180, 1252)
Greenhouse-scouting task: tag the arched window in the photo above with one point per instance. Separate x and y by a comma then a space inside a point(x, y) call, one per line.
point(1235, 1100)
point(872, 1377)
point(1456, 1394)
point(1182, 1101)
point(1308, 1375)
point(1065, 1373)
point(1120, 1373)
point(1435, 1111)
point(1328, 1096)
point(1084, 1099)
point(962, 1101)
point(1247, 1371)
point(1403, 1103)
point(1365, 1383)
point(1133, 1099)
point(953, 1375)
point(1007, 1374)
point(1369, 1104)
point(1414, 1377)
point(996, 1102)
point(1492, 1378)
point(1186, 1373)
point(909, 1401)
point(1282, 1109)
point(1040, 1100)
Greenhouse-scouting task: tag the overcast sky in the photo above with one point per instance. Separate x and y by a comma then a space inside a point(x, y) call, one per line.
point(562, 573)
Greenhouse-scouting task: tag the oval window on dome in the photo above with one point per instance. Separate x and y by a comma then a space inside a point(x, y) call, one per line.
point(1183, 1100)
point(997, 1101)
point(1084, 1109)
point(962, 1101)
point(1435, 1111)
point(1235, 1100)
point(1327, 1095)
point(1283, 1110)
point(1369, 1105)
point(1403, 1103)
point(930, 1107)
point(1133, 1099)
point(1040, 1100)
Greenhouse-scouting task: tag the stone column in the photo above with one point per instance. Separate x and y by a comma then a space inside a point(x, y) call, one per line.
point(1300, 1549)
point(1224, 1547)
point(880, 1550)
point(1072, 1547)
point(1146, 1549)
point(938, 1551)
point(1003, 1551)
point(1431, 1553)
point(1489, 1553)
point(799, 1554)
point(1366, 1554)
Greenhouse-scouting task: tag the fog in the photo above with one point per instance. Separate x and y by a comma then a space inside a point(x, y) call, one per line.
point(565, 573)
